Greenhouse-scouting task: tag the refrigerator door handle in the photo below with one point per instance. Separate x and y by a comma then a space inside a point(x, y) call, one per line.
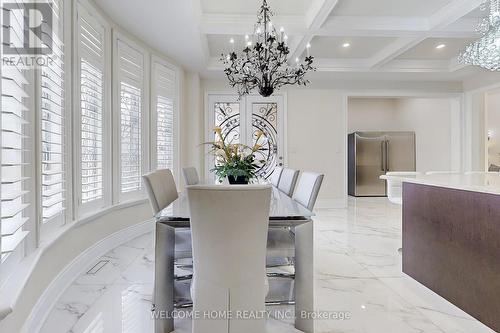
point(382, 156)
point(387, 155)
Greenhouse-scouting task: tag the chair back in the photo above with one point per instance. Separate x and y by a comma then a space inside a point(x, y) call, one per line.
point(288, 180)
point(191, 176)
point(275, 177)
point(308, 188)
point(395, 187)
point(229, 226)
point(161, 189)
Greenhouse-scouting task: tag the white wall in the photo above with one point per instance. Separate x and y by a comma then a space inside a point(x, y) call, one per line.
point(317, 139)
point(373, 114)
point(192, 125)
point(493, 126)
point(430, 119)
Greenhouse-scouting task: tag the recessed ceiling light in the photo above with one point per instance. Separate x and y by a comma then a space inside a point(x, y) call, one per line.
point(440, 46)
point(346, 45)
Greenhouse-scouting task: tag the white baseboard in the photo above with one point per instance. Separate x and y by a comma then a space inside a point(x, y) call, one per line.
point(331, 203)
point(74, 269)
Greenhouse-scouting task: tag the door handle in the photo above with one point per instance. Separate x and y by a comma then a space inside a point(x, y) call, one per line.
point(387, 155)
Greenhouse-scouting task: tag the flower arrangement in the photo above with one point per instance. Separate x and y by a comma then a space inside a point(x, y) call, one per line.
point(235, 161)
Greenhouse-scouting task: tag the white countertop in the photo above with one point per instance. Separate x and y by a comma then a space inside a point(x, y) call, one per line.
point(483, 183)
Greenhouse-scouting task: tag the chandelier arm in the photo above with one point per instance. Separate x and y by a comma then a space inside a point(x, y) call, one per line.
point(264, 65)
point(292, 76)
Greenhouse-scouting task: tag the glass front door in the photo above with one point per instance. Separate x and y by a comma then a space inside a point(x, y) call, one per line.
point(241, 121)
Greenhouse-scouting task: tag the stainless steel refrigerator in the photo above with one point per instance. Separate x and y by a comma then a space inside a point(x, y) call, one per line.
point(372, 154)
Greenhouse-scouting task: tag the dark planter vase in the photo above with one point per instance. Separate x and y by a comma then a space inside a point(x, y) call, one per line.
point(240, 180)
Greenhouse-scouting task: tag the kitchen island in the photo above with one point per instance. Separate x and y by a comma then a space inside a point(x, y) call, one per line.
point(451, 239)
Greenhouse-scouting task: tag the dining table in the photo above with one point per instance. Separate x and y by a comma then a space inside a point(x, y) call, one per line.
point(284, 213)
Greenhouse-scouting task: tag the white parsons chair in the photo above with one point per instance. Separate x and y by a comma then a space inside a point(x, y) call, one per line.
point(191, 176)
point(229, 226)
point(395, 187)
point(161, 189)
point(275, 177)
point(288, 180)
point(307, 189)
point(281, 242)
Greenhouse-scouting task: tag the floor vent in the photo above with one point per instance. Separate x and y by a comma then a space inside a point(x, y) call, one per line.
point(97, 267)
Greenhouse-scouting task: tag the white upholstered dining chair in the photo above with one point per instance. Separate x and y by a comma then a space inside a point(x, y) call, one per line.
point(395, 187)
point(307, 189)
point(190, 176)
point(161, 189)
point(288, 180)
point(229, 225)
point(275, 177)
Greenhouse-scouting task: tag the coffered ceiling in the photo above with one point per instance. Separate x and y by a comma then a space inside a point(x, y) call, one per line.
point(420, 37)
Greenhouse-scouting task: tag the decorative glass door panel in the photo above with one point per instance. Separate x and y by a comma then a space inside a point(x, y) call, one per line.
point(227, 117)
point(241, 121)
point(265, 120)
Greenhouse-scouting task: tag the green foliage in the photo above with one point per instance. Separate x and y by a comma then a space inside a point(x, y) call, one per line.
point(237, 166)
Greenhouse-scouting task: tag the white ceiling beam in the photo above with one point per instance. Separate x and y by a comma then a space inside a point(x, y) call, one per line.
point(214, 64)
point(455, 66)
point(316, 16)
point(417, 66)
point(354, 26)
point(439, 20)
point(363, 65)
point(451, 13)
point(341, 65)
point(197, 9)
point(394, 50)
point(223, 24)
point(345, 26)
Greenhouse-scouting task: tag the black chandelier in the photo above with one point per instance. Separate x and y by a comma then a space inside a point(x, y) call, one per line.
point(264, 62)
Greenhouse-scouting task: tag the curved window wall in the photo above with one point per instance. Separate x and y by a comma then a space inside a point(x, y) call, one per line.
point(78, 133)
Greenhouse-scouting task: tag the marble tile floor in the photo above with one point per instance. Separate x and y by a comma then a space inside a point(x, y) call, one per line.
point(357, 269)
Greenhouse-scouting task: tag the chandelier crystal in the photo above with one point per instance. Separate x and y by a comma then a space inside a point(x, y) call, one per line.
point(263, 64)
point(485, 52)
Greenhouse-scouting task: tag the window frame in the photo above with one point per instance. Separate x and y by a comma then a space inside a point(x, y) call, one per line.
point(157, 60)
point(118, 196)
point(30, 240)
point(66, 216)
point(82, 8)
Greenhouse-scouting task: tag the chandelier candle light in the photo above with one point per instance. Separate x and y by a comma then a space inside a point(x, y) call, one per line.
point(264, 61)
point(485, 52)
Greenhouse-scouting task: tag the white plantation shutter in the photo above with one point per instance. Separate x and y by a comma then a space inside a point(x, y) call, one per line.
point(13, 194)
point(131, 80)
point(164, 87)
point(52, 122)
point(91, 55)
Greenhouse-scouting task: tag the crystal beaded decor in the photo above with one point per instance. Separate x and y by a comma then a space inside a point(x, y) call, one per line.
point(485, 52)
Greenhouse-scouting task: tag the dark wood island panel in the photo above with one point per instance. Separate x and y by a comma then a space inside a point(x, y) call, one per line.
point(451, 244)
